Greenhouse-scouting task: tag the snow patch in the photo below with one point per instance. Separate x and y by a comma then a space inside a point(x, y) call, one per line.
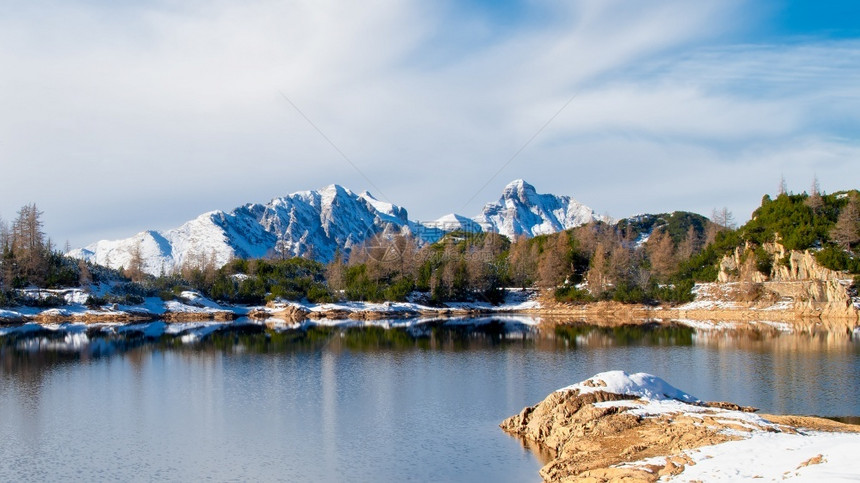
point(640, 384)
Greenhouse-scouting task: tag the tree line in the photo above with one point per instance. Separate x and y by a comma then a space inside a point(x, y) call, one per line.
point(28, 257)
point(644, 259)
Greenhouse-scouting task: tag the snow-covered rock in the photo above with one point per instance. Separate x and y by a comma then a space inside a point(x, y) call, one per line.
point(640, 384)
point(617, 426)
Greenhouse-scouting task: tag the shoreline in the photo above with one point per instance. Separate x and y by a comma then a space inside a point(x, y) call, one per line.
point(703, 312)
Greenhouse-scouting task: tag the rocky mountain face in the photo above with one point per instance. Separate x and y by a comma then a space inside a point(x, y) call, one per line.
point(521, 211)
point(318, 224)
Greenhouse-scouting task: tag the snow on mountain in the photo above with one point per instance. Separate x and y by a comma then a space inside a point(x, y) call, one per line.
point(307, 223)
point(320, 223)
point(521, 211)
point(432, 231)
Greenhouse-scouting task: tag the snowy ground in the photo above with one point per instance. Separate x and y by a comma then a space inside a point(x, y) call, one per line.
point(191, 302)
point(813, 456)
point(767, 451)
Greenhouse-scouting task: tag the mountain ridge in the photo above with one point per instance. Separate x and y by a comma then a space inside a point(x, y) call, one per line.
point(320, 223)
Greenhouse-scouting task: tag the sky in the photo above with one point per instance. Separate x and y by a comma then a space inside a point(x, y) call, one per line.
point(122, 116)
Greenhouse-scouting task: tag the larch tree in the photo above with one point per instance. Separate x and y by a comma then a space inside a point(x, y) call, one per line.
point(846, 232)
point(723, 218)
point(552, 266)
point(815, 201)
point(620, 263)
point(596, 275)
point(134, 271)
point(691, 245)
point(28, 244)
point(521, 259)
point(661, 252)
point(4, 251)
point(334, 273)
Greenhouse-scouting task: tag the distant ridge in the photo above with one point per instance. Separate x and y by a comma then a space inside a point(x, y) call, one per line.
point(319, 223)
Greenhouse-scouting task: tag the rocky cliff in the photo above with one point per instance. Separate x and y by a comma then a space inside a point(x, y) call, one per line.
point(794, 278)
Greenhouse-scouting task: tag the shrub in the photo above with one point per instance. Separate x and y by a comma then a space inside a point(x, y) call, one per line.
point(763, 261)
point(835, 258)
point(572, 294)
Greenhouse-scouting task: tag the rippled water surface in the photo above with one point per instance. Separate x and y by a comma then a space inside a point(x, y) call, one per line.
point(417, 402)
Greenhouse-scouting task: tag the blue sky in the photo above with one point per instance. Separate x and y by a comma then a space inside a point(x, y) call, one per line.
point(117, 117)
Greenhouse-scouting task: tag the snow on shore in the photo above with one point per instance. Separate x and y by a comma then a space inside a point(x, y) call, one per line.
point(764, 450)
point(191, 302)
point(812, 456)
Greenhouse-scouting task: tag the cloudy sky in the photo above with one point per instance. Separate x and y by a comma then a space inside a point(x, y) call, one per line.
point(120, 116)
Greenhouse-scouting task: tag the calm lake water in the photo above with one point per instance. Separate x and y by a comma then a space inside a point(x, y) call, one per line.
point(417, 403)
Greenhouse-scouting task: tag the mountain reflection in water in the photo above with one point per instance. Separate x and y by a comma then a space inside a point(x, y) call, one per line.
point(31, 346)
point(369, 401)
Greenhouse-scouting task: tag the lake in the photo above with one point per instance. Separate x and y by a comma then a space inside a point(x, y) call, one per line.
point(405, 401)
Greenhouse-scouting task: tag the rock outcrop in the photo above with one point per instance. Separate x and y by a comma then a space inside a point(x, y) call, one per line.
point(614, 426)
point(793, 277)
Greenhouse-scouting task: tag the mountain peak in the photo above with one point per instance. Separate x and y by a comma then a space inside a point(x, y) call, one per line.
point(520, 184)
point(334, 188)
point(326, 221)
point(521, 210)
point(519, 188)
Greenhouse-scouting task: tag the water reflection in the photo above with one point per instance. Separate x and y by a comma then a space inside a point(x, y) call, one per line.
point(28, 349)
point(377, 401)
point(780, 371)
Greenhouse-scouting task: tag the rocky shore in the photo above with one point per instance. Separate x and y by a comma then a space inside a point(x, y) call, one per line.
point(715, 303)
point(636, 427)
point(802, 306)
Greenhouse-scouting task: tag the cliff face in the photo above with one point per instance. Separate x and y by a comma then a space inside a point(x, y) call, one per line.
point(795, 278)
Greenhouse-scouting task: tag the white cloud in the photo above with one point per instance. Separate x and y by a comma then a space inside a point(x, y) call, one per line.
point(116, 119)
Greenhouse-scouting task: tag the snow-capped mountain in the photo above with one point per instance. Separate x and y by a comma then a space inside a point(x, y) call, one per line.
point(521, 211)
point(307, 223)
point(320, 223)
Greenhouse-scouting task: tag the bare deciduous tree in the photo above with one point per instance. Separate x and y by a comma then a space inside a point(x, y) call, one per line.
point(846, 232)
point(552, 266)
point(691, 245)
point(723, 218)
point(28, 244)
point(596, 275)
point(814, 200)
point(661, 252)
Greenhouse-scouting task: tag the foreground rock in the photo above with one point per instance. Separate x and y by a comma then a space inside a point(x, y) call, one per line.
point(637, 427)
